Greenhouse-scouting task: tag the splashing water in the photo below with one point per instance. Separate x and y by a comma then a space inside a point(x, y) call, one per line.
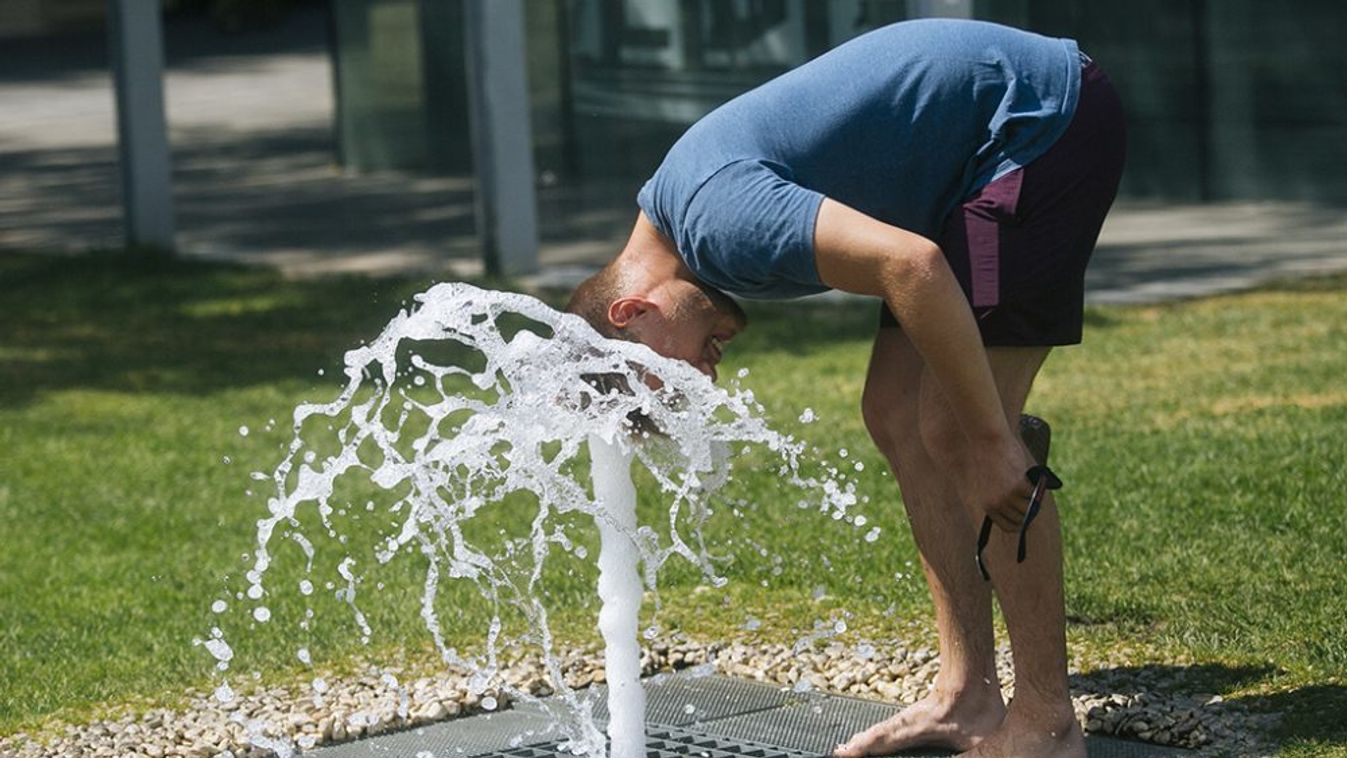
point(473, 398)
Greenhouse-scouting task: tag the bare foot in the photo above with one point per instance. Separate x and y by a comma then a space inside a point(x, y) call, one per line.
point(1017, 738)
point(939, 721)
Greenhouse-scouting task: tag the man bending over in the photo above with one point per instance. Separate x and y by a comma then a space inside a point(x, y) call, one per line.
point(961, 171)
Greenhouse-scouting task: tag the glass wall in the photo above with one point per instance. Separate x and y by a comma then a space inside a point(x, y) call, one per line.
point(641, 72)
point(1228, 100)
point(634, 74)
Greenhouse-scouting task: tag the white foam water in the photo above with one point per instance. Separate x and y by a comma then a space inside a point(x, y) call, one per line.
point(472, 398)
point(620, 592)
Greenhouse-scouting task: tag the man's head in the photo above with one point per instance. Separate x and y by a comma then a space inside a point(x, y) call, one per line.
point(647, 295)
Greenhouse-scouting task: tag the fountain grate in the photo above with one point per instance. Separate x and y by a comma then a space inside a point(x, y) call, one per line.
point(729, 718)
point(669, 742)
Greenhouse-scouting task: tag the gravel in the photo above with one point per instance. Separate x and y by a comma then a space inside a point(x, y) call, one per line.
point(1138, 705)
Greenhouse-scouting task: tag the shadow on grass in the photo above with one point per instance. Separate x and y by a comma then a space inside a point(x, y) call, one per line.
point(139, 323)
point(112, 321)
point(1313, 715)
point(1308, 716)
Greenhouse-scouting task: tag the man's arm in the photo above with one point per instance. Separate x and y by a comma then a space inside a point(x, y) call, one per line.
point(859, 254)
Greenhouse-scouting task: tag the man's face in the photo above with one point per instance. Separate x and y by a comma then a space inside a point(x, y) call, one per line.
point(692, 323)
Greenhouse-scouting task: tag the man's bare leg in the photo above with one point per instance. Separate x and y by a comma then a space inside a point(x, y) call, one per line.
point(965, 704)
point(958, 714)
point(1040, 721)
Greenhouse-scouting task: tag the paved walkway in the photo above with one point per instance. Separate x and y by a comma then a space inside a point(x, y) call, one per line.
point(251, 125)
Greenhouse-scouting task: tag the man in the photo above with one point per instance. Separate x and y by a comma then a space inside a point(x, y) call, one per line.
point(961, 171)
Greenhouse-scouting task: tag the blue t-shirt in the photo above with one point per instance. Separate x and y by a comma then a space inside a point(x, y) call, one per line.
point(902, 123)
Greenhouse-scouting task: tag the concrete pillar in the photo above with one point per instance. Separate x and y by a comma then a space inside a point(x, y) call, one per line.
point(502, 137)
point(136, 44)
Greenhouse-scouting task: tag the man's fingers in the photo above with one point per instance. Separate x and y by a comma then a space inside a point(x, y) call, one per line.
point(1008, 513)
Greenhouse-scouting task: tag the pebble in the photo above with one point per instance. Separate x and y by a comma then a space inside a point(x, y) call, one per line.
point(1141, 705)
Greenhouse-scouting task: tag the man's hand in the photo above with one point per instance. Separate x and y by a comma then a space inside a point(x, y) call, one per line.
point(996, 482)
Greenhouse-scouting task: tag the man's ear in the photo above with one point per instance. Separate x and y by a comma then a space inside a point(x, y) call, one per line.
point(624, 310)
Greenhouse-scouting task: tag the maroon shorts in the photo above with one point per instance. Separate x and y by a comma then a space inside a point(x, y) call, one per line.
point(1019, 246)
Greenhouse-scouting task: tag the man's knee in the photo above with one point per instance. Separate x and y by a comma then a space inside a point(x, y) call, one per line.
point(890, 420)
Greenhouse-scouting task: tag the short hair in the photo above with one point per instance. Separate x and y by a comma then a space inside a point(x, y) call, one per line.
point(592, 299)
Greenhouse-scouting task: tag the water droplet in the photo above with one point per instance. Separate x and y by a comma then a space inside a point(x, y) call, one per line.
point(752, 624)
point(651, 632)
point(489, 703)
point(255, 592)
point(227, 460)
point(305, 587)
point(843, 452)
point(839, 626)
point(219, 606)
point(581, 552)
point(808, 416)
point(859, 466)
point(872, 535)
point(243, 431)
point(303, 655)
point(220, 649)
point(319, 685)
point(741, 373)
point(860, 520)
point(224, 693)
point(689, 709)
point(262, 614)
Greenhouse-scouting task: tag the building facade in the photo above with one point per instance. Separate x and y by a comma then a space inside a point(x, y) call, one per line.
point(1229, 100)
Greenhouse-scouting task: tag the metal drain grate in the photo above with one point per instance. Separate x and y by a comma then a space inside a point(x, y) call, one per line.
point(688, 700)
point(687, 717)
point(814, 727)
point(669, 742)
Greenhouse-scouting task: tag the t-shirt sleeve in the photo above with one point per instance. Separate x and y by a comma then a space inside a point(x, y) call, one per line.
point(749, 230)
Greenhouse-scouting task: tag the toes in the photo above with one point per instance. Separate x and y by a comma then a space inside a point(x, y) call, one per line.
point(857, 746)
point(849, 749)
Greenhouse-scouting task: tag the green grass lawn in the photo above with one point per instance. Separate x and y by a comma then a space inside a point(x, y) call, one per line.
point(1204, 447)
